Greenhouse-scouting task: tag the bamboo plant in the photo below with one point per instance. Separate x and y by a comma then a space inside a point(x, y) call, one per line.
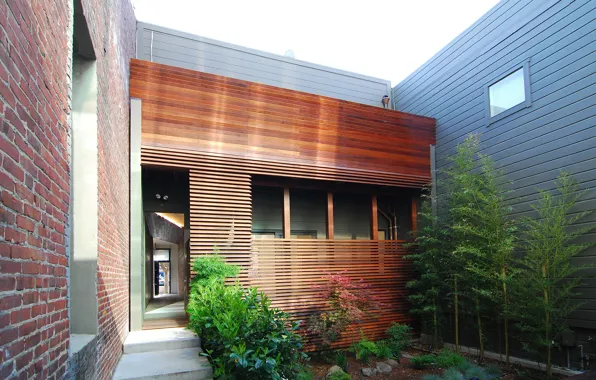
point(550, 265)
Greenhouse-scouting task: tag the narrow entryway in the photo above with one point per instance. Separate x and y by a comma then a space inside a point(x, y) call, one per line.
point(165, 311)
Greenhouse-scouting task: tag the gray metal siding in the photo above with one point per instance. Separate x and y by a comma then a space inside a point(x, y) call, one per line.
point(557, 132)
point(175, 48)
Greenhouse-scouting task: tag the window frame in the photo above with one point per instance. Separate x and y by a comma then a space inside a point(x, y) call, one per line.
point(525, 66)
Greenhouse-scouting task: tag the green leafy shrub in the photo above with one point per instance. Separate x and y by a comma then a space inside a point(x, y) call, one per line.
point(476, 372)
point(305, 374)
point(445, 359)
point(399, 338)
point(383, 350)
point(423, 361)
point(364, 349)
point(212, 268)
point(339, 375)
point(243, 337)
point(432, 377)
point(453, 374)
point(341, 359)
point(449, 359)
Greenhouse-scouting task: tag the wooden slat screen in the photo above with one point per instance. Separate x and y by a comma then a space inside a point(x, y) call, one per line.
point(287, 269)
point(220, 215)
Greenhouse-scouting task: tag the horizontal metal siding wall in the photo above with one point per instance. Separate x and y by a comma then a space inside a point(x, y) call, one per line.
point(558, 132)
point(170, 47)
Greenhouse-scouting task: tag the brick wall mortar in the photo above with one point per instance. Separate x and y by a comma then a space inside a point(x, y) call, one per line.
point(35, 101)
point(34, 187)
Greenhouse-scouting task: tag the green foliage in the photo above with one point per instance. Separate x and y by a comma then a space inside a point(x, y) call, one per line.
point(383, 350)
point(548, 269)
point(463, 367)
point(364, 349)
point(444, 359)
point(399, 338)
point(423, 361)
point(339, 375)
point(449, 359)
point(305, 374)
point(452, 374)
point(464, 253)
point(244, 338)
point(212, 268)
point(341, 359)
point(476, 372)
point(429, 255)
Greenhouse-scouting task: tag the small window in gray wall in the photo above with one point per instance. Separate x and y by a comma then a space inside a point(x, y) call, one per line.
point(508, 93)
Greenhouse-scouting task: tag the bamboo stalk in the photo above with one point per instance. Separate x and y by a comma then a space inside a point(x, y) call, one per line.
point(456, 315)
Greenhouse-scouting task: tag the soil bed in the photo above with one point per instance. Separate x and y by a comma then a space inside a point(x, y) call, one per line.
point(405, 371)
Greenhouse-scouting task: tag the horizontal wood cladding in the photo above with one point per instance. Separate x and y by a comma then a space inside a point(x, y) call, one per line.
point(220, 215)
point(177, 158)
point(287, 269)
point(188, 110)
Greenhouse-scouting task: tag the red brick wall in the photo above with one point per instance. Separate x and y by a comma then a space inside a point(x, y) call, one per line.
point(34, 185)
point(35, 72)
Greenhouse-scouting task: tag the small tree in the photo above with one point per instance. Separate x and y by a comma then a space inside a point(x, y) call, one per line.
point(467, 257)
point(428, 258)
point(350, 301)
point(549, 271)
point(485, 234)
point(482, 235)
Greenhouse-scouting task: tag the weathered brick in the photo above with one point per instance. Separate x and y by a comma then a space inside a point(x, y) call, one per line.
point(9, 266)
point(10, 302)
point(35, 175)
point(7, 283)
point(25, 223)
point(14, 169)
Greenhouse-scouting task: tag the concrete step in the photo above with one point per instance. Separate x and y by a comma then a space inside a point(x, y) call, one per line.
point(160, 340)
point(180, 364)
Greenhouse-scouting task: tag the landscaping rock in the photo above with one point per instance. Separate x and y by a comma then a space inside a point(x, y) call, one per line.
point(369, 372)
point(392, 363)
point(383, 368)
point(333, 369)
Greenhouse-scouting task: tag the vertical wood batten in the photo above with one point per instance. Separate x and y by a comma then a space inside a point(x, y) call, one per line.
point(414, 214)
point(374, 218)
point(286, 216)
point(330, 220)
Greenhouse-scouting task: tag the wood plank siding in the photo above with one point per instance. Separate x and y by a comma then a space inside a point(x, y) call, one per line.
point(226, 132)
point(188, 110)
point(532, 145)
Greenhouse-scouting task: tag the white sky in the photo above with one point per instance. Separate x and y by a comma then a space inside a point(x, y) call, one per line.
point(385, 39)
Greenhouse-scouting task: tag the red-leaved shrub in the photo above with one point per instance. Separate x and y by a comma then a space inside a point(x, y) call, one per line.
point(350, 301)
